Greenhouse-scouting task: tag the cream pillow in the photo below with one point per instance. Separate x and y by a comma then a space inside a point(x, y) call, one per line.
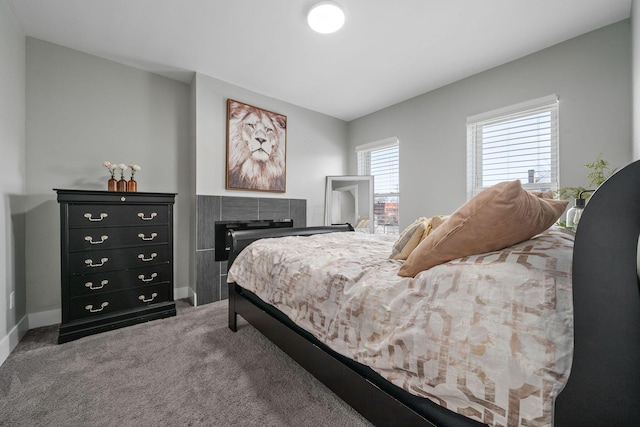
point(409, 239)
point(498, 217)
point(434, 222)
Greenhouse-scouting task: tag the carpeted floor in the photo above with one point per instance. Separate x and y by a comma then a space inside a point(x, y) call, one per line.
point(188, 370)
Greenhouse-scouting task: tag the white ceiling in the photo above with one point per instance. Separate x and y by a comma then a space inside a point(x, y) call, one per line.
point(387, 51)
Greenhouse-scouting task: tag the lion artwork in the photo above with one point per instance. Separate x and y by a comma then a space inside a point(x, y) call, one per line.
point(256, 148)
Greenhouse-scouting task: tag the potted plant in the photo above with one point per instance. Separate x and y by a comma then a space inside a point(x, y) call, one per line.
point(599, 172)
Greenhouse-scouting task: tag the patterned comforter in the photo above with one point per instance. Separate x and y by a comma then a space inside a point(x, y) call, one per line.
point(489, 336)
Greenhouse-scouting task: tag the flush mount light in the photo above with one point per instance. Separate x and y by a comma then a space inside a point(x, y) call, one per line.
point(325, 17)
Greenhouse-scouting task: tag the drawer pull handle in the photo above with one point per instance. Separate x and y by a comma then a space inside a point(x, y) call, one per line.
point(97, 242)
point(149, 218)
point(142, 236)
point(153, 296)
point(90, 263)
point(153, 255)
point(93, 288)
point(153, 276)
point(102, 306)
point(91, 218)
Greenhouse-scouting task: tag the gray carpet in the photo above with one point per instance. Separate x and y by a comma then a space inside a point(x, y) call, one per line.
point(188, 370)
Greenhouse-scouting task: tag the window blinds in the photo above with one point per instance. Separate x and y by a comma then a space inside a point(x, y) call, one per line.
point(517, 142)
point(381, 159)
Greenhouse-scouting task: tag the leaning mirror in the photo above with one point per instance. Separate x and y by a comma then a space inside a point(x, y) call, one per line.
point(349, 199)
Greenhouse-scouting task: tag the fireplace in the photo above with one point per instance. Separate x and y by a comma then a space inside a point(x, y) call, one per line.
point(222, 240)
point(215, 216)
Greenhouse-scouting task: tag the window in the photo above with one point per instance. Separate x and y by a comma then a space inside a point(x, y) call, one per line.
point(381, 159)
point(516, 142)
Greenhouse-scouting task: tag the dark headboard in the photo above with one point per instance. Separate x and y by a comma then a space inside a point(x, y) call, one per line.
point(604, 385)
point(222, 228)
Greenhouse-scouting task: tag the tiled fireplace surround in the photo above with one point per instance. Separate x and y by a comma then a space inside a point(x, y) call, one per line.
point(211, 275)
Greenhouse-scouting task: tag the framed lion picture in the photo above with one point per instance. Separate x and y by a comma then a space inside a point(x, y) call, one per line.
point(256, 148)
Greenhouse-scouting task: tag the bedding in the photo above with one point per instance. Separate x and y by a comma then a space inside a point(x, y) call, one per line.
point(500, 216)
point(488, 336)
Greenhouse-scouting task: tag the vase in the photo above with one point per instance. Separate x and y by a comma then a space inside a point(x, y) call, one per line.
point(112, 184)
point(122, 184)
point(132, 185)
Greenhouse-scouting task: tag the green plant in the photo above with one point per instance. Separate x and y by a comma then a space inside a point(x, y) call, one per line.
point(599, 172)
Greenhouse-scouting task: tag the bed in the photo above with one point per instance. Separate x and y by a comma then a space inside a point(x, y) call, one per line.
point(592, 379)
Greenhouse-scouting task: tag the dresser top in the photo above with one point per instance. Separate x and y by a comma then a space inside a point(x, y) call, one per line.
point(100, 196)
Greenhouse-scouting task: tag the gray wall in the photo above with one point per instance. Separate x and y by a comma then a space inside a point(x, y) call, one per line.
point(591, 75)
point(83, 110)
point(12, 178)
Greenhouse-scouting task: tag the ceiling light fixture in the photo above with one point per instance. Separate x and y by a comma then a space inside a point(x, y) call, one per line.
point(325, 17)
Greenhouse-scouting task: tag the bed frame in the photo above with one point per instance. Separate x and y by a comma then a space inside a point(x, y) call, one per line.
point(604, 385)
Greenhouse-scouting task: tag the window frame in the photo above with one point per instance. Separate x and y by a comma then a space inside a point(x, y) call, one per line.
point(368, 148)
point(476, 123)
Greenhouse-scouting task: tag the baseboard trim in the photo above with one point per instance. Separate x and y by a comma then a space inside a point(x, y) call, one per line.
point(11, 340)
point(53, 317)
point(193, 297)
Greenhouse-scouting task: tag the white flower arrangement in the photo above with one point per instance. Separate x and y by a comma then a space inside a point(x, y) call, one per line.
point(134, 168)
point(111, 168)
point(122, 168)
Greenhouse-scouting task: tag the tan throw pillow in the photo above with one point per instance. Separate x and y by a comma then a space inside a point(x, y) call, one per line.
point(498, 217)
point(544, 195)
point(409, 239)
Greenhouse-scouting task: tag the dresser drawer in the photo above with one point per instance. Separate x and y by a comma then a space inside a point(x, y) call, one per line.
point(111, 302)
point(109, 281)
point(109, 237)
point(116, 215)
point(115, 259)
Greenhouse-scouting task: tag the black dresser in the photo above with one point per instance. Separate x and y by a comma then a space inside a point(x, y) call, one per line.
point(116, 260)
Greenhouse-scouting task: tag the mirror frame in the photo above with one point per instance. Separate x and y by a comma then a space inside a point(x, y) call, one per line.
point(362, 195)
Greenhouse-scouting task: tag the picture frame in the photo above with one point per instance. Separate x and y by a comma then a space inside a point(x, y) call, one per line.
point(256, 148)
